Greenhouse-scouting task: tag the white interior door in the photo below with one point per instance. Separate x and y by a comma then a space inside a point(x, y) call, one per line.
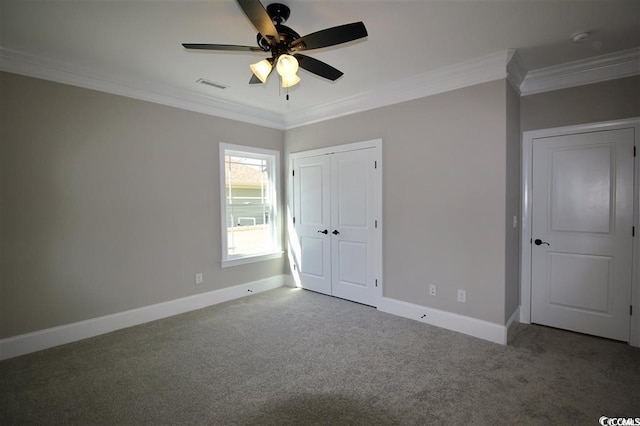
point(352, 225)
point(311, 192)
point(582, 218)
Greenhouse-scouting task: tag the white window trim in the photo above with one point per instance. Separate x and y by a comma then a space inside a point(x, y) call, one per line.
point(234, 260)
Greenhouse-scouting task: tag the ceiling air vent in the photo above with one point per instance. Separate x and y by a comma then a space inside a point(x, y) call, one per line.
point(211, 83)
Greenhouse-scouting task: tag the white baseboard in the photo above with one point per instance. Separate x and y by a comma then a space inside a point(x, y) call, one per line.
point(512, 322)
point(289, 281)
point(31, 342)
point(514, 319)
point(462, 324)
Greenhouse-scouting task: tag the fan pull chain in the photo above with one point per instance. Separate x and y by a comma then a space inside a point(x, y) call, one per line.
point(280, 90)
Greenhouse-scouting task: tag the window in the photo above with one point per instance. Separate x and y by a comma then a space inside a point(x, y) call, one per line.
point(249, 202)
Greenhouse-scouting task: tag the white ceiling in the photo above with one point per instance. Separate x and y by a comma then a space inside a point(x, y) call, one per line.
point(140, 41)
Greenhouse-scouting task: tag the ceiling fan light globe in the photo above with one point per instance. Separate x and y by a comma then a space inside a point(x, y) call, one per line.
point(291, 80)
point(287, 66)
point(261, 69)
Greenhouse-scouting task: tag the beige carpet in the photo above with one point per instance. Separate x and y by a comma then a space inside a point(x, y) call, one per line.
point(296, 357)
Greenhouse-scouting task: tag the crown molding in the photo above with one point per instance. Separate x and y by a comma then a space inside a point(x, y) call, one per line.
point(516, 71)
point(48, 69)
point(504, 64)
point(612, 66)
point(468, 73)
point(480, 70)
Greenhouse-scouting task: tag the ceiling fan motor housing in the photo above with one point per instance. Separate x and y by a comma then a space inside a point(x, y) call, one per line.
point(278, 13)
point(287, 35)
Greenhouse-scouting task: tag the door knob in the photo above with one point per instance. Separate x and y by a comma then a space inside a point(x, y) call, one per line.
point(335, 232)
point(325, 232)
point(539, 242)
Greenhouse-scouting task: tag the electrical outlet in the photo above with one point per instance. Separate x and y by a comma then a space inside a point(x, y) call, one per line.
point(199, 279)
point(433, 290)
point(462, 296)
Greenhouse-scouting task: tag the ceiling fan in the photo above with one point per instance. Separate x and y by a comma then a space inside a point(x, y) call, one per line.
point(284, 43)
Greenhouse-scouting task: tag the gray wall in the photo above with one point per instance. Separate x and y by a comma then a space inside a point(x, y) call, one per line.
point(444, 188)
point(611, 100)
point(108, 203)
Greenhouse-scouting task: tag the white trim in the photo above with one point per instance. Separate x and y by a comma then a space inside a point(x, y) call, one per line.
point(376, 145)
point(514, 317)
point(525, 230)
point(379, 240)
point(355, 146)
point(526, 190)
point(250, 259)
point(512, 322)
point(480, 70)
point(516, 71)
point(274, 157)
point(48, 69)
point(503, 64)
point(462, 324)
point(456, 76)
point(31, 342)
point(586, 71)
point(289, 281)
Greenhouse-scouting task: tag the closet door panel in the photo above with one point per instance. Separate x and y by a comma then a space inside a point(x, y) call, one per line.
point(352, 225)
point(311, 190)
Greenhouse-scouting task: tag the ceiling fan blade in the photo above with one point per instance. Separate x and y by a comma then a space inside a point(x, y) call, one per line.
point(227, 47)
point(260, 19)
point(318, 67)
point(254, 80)
point(330, 36)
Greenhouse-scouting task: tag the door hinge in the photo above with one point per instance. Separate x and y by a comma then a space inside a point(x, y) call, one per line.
point(634, 151)
point(293, 172)
point(631, 310)
point(633, 231)
point(375, 164)
point(376, 282)
point(294, 267)
point(294, 220)
point(375, 222)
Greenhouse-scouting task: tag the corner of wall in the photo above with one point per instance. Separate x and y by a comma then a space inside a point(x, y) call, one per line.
point(512, 204)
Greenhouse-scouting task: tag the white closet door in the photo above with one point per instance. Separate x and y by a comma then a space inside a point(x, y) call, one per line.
point(313, 221)
point(352, 225)
point(582, 221)
point(335, 198)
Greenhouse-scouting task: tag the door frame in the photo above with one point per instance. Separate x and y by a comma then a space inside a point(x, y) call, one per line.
point(376, 145)
point(526, 209)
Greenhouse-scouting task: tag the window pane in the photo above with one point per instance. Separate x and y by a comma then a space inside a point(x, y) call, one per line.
point(249, 205)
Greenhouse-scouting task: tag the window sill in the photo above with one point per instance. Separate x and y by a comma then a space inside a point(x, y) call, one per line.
point(250, 259)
